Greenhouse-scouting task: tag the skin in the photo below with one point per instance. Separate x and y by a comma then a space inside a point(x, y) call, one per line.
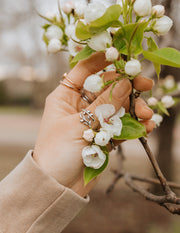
point(59, 144)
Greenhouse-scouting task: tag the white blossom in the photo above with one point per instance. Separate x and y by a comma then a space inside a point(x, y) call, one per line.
point(169, 82)
point(142, 7)
point(100, 41)
point(162, 25)
point(68, 7)
point(106, 110)
point(158, 11)
point(102, 138)
point(88, 135)
point(168, 101)
point(80, 8)
point(70, 31)
point(157, 119)
point(94, 83)
point(51, 15)
point(133, 67)
point(93, 156)
point(152, 101)
point(109, 122)
point(94, 11)
point(74, 47)
point(54, 46)
point(112, 54)
point(54, 32)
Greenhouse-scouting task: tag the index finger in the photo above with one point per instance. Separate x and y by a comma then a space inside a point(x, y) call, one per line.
point(87, 67)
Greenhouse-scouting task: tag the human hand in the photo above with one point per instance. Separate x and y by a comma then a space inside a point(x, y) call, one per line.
point(60, 143)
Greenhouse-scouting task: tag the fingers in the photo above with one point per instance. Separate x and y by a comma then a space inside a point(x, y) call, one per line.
point(142, 110)
point(87, 67)
point(120, 93)
point(150, 125)
point(143, 84)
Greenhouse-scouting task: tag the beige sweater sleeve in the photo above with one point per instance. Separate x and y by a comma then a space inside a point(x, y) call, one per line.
point(33, 202)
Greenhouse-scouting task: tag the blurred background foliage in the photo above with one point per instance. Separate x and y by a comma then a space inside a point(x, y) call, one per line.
point(28, 74)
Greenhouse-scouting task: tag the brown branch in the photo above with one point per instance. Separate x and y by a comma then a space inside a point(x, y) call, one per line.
point(170, 196)
point(119, 175)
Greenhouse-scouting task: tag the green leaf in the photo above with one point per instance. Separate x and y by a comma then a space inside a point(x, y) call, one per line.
point(131, 129)
point(90, 173)
point(164, 56)
point(45, 26)
point(130, 33)
point(152, 46)
point(82, 31)
point(45, 39)
point(83, 54)
point(110, 18)
point(162, 109)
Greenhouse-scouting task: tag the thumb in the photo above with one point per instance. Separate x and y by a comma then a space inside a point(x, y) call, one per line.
point(120, 93)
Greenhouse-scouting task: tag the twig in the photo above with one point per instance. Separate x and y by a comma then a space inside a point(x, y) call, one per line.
point(119, 175)
point(170, 196)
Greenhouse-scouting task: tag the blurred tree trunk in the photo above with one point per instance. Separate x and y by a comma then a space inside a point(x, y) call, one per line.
point(165, 132)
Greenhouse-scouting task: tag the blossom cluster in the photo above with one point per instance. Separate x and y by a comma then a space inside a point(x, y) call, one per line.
point(111, 125)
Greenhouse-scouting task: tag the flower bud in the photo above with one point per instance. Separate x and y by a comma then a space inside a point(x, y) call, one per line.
point(112, 54)
point(54, 32)
point(100, 41)
point(54, 46)
point(168, 101)
point(68, 7)
point(88, 135)
point(158, 11)
point(142, 7)
point(169, 82)
point(157, 119)
point(102, 138)
point(93, 83)
point(133, 67)
point(80, 8)
point(163, 25)
point(152, 101)
point(94, 11)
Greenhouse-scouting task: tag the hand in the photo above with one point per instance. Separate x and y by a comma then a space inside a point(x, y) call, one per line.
point(60, 143)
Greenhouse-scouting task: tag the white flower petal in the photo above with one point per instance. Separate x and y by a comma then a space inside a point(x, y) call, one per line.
point(121, 112)
point(54, 32)
point(93, 156)
point(133, 67)
point(157, 119)
point(152, 101)
point(74, 48)
point(168, 101)
point(158, 10)
point(94, 11)
point(88, 135)
point(54, 46)
point(142, 7)
point(102, 138)
point(93, 83)
point(163, 25)
point(105, 110)
point(100, 41)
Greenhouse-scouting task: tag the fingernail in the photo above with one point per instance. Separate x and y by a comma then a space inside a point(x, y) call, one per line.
point(122, 89)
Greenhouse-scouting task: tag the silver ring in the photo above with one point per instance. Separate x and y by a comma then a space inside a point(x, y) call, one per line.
point(86, 98)
point(86, 117)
